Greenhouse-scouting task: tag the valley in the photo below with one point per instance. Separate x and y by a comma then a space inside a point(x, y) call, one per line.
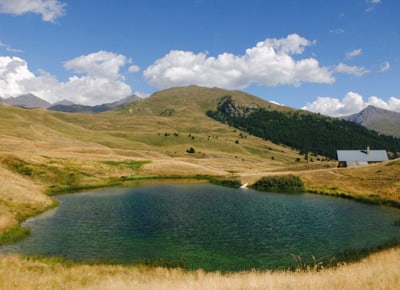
point(45, 152)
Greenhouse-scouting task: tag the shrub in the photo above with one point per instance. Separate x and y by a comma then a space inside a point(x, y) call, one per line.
point(285, 183)
point(191, 150)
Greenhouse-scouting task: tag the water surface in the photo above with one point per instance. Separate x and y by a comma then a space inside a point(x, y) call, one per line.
point(205, 226)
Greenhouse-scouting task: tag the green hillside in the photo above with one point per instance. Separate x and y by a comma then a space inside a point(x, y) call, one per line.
point(307, 132)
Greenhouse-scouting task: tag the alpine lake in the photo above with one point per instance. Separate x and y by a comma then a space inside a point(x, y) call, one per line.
point(205, 226)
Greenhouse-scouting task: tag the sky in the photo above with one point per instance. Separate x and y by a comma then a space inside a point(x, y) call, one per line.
point(333, 57)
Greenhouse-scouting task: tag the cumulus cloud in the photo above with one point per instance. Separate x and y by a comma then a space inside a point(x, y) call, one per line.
point(384, 67)
point(97, 79)
point(350, 104)
point(48, 9)
point(13, 70)
point(101, 64)
point(357, 71)
point(351, 54)
point(270, 63)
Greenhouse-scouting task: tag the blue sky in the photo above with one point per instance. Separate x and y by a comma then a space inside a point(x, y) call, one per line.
point(334, 57)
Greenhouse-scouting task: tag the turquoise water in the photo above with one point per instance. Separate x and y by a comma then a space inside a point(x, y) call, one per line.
point(205, 226)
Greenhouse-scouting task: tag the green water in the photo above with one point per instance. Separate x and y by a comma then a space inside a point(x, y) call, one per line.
point(205, 226)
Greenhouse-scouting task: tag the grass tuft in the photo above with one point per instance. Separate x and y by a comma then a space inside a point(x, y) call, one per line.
point(14, 234)
point(225, 182)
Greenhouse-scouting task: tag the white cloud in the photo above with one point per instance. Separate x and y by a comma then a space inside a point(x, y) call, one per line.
point(101, 80)
point(351, 54)
point(12, 71)
point(49, 9)
point(269, 63)
point(133, 68)
point(384, 67)
point(101, 64)
point(351, 70)
point(371, 4)
point(141, 94)
point(350, 104)
point(276, 103)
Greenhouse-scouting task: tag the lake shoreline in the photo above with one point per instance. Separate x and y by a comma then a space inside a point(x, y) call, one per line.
point(350, 255)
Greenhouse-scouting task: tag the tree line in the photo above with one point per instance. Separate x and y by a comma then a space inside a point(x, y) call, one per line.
point(307, 132)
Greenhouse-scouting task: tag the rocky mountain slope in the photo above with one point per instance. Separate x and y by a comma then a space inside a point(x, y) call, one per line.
point(383, 121)
point(26, 101)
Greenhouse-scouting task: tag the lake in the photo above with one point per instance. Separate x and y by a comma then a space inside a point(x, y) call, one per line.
point(205, 226)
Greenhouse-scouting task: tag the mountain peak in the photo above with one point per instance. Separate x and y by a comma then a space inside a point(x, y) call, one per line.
point(371, 108)
point(378, 119)
point(64, 102)
point(27, 101)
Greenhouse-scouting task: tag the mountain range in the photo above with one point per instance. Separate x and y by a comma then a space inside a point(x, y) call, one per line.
point(31, 101)
point(374, 118)
point(26, 101)
point(381, 120)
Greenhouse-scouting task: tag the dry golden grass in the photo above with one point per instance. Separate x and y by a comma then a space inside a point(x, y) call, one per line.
point(378, 271)
point(382, 179)
point(19, 197)
point(80, 144)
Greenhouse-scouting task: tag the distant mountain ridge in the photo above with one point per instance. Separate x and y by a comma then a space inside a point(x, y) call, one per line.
point(26, 101)
point(75, 108)
point(381, 120)
point(31, 101)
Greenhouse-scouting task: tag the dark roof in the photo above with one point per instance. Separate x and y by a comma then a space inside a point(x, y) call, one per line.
point(362, 155)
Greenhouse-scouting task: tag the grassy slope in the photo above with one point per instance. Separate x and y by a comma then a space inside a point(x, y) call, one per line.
point(61, 150)
point(67, 149)
point(374, 182)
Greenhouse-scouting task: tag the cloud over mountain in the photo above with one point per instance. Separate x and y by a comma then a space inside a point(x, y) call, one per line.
point(350, 104)
point(270, 63)
point(13, 71)
point(97, 79)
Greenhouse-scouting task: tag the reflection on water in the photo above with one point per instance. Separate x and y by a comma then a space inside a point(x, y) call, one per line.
point(205, 226)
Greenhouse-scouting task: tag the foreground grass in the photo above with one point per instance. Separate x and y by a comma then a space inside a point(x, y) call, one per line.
point(378, 271)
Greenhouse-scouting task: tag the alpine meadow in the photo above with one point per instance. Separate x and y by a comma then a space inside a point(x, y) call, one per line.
point(46, 153)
